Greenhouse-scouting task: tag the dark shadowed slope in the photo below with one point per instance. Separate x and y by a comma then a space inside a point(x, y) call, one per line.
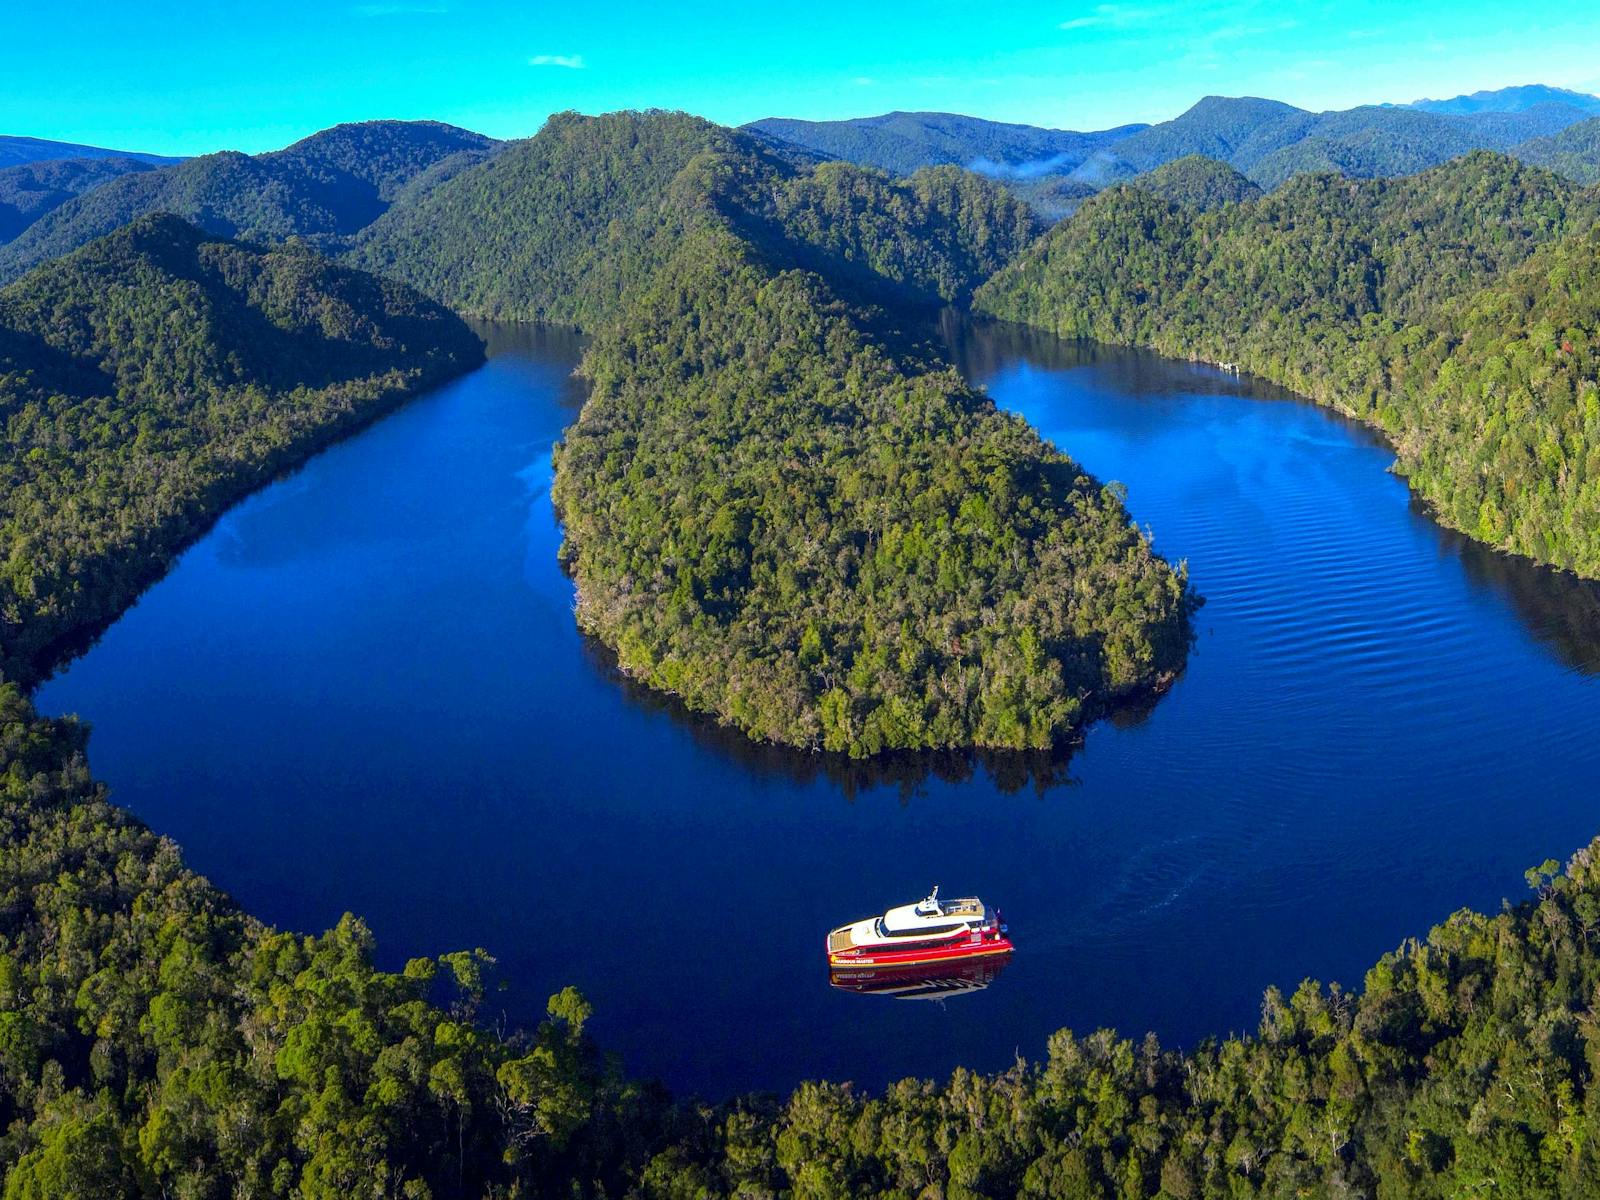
point(29, 191)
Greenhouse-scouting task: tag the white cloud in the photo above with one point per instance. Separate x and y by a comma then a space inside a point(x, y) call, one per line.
point(1110, 16)
point(863, 81)
point(572, 62)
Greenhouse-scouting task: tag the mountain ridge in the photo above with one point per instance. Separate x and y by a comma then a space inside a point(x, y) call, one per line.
point(1268, 140)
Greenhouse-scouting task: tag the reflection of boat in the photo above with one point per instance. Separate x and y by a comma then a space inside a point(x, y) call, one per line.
point(925, 982)
point(930, 931)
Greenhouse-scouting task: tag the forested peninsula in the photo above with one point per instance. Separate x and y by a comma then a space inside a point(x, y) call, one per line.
point(1456, 310)
point(778, 506)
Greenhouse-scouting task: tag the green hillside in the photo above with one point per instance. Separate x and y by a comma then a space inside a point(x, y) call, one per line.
point(1267, 140)
point(156, 376)
point(1197, 183)
point(1357, 294)
point(30, 191)
point(327, 185)
point(778, 521)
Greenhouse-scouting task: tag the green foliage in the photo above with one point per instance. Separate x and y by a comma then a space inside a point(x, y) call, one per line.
point(174, 1047)
point(554, 228)
point(1196, 182)
point(1454, 310)
point(155, 377)
point(1266, 140)
point(769, 512)
point(330, 184)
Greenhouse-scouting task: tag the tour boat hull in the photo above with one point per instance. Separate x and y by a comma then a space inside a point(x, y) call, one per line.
point(966, 948)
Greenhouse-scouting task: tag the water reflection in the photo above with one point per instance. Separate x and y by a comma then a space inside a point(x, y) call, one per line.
point(1560, 610)
point(907, 773)
point(936, 982)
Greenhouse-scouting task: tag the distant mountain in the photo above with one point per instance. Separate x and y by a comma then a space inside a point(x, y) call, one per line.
point(328, 185)
point(29, 191)
point(1236, 130)
point(14, 151)
point(1512, 99)
point(903, 141)
point(1267, 140)
point(1574, 152)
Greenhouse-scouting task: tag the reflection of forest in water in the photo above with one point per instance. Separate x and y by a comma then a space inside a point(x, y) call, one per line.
point(1560, 610)
point(1010, 771)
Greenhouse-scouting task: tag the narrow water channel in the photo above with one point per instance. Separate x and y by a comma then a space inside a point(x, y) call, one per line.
point(363, 691)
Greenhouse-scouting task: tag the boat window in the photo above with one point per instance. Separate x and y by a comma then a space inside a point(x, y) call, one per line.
point(919, 931)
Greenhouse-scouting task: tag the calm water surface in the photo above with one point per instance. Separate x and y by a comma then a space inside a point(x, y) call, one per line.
point(363, 691)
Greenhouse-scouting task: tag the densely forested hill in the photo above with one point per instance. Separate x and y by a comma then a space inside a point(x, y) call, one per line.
point(774, 518)
point(15, 151)
point(1574, 152)
point(554, 228)
point(1198, 183)
point(154, 377)
point(560, 227)
point(154, 1041)
point(330, 184)
point(1357, 294)
point(29, 191)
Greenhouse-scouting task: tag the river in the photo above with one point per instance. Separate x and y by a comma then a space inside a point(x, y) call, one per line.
point(364, 691)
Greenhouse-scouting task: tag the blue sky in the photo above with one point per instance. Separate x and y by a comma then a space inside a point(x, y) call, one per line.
point(189, 78)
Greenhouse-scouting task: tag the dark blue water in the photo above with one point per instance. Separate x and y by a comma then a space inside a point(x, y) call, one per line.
point(363, 691)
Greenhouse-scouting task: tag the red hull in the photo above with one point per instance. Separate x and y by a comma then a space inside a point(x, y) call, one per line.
point(987, 947)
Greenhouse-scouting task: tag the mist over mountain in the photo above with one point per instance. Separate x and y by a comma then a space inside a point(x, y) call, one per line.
point(1267, 140)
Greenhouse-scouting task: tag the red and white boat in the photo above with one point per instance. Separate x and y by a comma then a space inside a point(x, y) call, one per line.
point(930, 931)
